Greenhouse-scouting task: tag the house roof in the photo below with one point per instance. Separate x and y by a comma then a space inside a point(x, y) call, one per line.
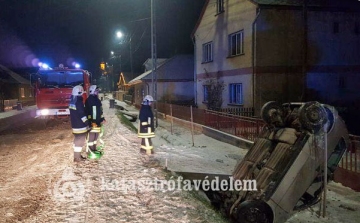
point(179, 67)
point(347, 4)
point(148, 63)
point(11, 77)
point(137, 79)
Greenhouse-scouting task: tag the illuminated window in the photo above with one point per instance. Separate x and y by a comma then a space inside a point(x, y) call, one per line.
point(219, 6)
point(236, 43)
point(236, 93)
point(207, 52)
point(22, 92)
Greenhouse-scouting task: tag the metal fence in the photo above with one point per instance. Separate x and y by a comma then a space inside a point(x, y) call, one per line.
point(350, 160)
point(248, 112)
point(241, 126)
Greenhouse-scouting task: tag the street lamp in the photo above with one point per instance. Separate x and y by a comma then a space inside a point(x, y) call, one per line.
point(119, 34)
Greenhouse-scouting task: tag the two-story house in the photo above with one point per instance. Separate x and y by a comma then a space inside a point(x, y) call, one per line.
point(262, 50)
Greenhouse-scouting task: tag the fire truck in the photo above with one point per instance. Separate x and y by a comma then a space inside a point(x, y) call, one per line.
point(53, 87)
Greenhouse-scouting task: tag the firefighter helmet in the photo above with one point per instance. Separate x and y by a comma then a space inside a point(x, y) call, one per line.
point(93, 89)
point(77, 90)
point(148, 98)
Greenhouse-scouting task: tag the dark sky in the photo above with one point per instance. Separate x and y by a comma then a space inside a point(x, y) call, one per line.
point(65, 31)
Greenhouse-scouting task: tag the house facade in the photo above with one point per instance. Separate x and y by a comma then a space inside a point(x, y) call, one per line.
point(14, 87)
point(174, 81)
point(264, 50)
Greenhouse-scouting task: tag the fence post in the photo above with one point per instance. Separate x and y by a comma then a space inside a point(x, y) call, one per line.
point(192, 125)
point(325, 174)
point(234, 125)
point(355, 153)
point(2, 105)
point(171, 128)
point(351, 160)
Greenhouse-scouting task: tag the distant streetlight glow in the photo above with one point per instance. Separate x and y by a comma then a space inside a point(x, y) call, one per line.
point(119, 34)
point(77, 65)
point(112, 52)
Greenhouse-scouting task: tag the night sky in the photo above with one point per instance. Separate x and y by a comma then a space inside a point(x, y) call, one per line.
point(83, 31)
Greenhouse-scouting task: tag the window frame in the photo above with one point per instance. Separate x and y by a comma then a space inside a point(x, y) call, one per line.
point(207, 50)
point(205, 93)
point(233, 95)
point(236, 38)
point(220, 6)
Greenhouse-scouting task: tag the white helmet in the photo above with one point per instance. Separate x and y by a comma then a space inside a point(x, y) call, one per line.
point(92, 89)
point(148, 98)
point(77, 90)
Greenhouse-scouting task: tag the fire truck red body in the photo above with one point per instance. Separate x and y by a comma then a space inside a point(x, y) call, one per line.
point(54, 87)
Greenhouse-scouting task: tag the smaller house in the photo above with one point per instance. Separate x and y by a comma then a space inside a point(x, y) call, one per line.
point(14, 88)
point(122, 86)
point(174, 81)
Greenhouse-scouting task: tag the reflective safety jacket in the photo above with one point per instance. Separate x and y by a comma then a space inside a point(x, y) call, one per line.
point(94, 111)
point(146, 119)
point(79, 121)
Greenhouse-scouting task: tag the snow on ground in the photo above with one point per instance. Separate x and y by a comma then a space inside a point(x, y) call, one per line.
point(211, 156)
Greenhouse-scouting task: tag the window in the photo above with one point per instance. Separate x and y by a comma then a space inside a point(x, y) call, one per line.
point(236, 94)
point(22, 92)
point(236, 43)
point(205, 92)
point(219, 6)
point(207, 52)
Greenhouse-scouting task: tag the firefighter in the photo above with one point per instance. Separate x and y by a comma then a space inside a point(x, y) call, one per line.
point(146, 129)
point(96, 118)
point(79, 121)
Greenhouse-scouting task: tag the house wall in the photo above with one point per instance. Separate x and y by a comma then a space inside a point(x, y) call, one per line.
point(278, 57)
point(28, 98)
point(334, 67)
point(176, 91)
point(140, 90)
point(243, 76)
point(329, 74)
point(238, 15)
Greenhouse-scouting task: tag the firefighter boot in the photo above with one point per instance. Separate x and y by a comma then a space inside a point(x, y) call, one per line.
point(78, 157)
point(94, 155)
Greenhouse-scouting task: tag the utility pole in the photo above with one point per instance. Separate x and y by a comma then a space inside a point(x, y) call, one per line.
point(305, 53)
point(131, 60)
point(153, 57)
